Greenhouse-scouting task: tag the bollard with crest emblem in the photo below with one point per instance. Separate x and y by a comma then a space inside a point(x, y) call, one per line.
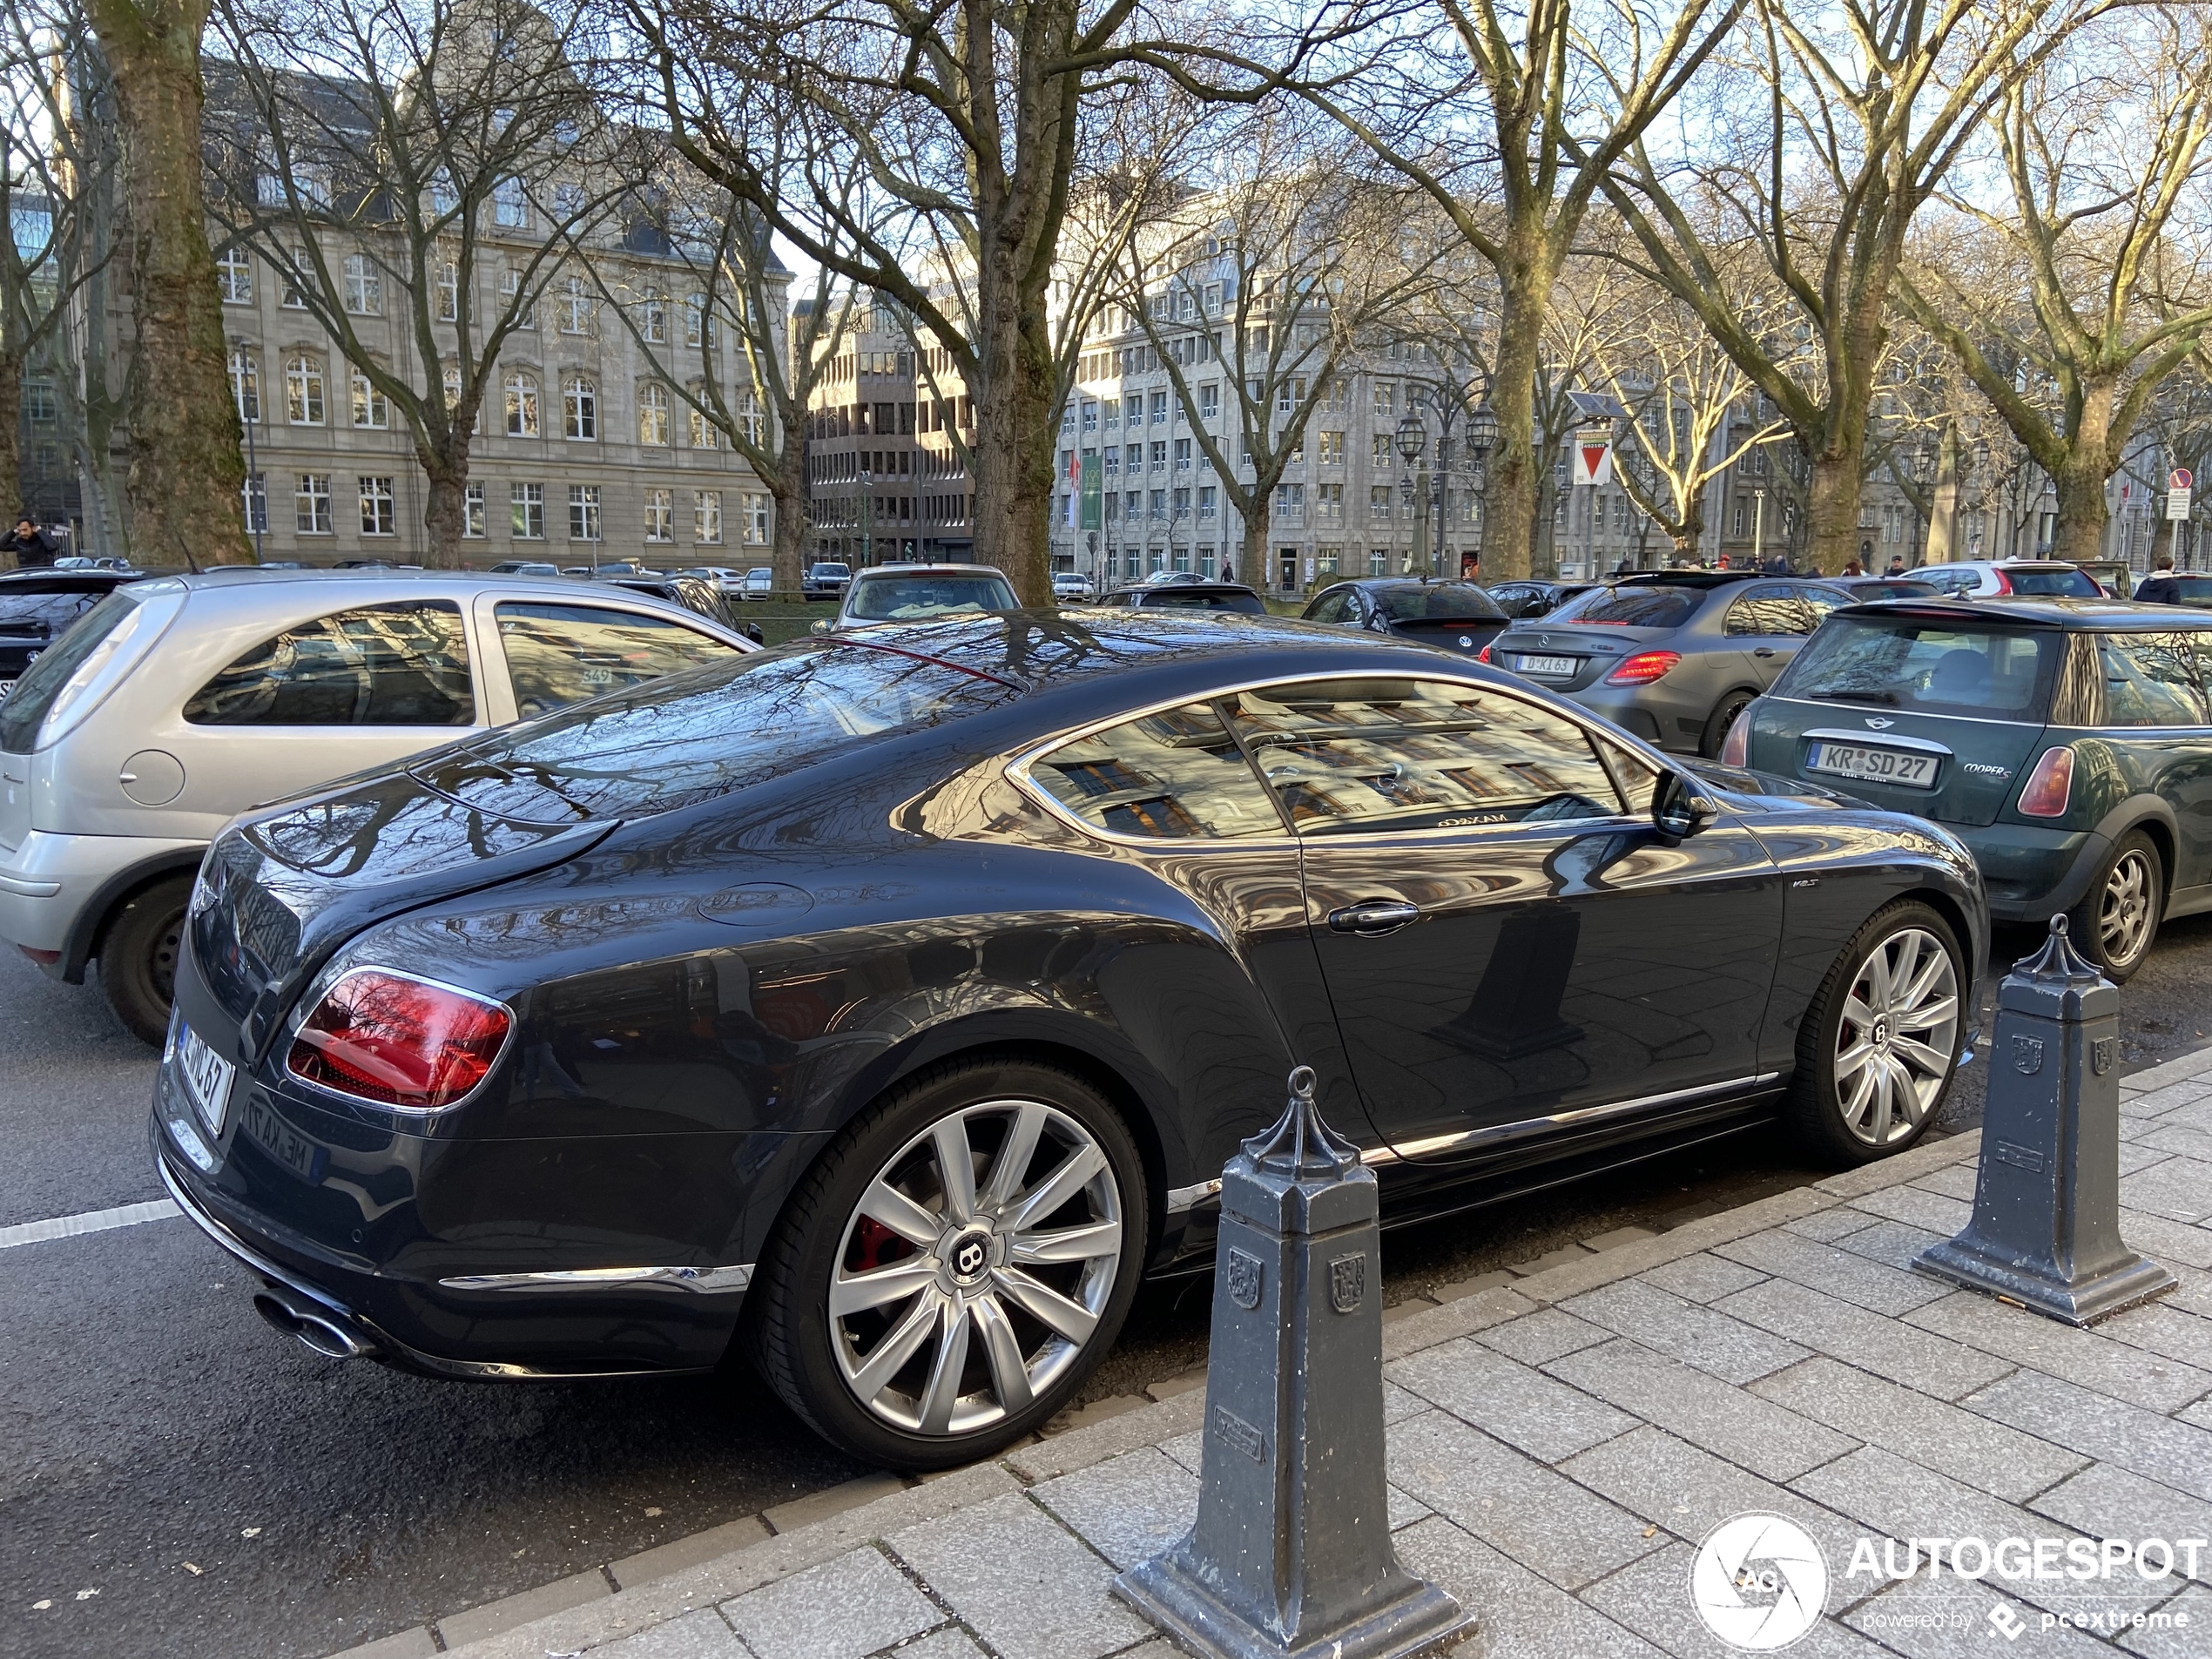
point(1292, 1554)
point(2046, 1227)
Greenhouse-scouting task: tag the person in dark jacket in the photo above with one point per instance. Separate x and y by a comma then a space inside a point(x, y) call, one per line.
point(31, 547)
point(2159, 588)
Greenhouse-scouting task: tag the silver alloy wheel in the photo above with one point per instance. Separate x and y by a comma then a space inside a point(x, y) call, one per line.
point(1899, 1029)
point(974, 1269)
point(2124, 907)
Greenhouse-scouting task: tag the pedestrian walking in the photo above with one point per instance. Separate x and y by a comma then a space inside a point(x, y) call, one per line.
point(2159, 588)
point(33, 549)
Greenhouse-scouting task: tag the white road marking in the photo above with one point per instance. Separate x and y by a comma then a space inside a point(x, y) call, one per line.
point(89, 1221)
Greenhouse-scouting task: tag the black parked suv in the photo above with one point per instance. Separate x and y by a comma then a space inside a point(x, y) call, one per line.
point(1452, 615)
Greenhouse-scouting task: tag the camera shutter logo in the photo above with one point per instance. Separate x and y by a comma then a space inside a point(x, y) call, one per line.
point(1759, 1583)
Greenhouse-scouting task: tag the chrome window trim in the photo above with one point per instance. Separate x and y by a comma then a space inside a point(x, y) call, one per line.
point(1017, 772)
point(316, 994)
point(701, 1280)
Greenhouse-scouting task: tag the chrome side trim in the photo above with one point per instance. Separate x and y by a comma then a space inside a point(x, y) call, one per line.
point(1182, 1198)
point(700, 1279)
point(1502, 1134)
point(1877, 740)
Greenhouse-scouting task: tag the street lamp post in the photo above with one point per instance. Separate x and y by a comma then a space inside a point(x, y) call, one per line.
point(1413, 445)
point(257, 512)
point(868, 518)
point(1482, 437)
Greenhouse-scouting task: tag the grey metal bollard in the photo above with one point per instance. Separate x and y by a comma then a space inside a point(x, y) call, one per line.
point(1292, 1554)
point(2045, 1229)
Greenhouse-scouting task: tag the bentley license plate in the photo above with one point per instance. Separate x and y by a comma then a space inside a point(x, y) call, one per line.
point(1547, 664)
point(206, 1078)
point(1869, 765)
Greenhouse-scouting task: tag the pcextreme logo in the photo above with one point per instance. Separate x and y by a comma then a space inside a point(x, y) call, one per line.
point(1759, 1583)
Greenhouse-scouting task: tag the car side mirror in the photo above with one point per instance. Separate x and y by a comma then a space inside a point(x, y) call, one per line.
point(819, 626)
point(1680, 807)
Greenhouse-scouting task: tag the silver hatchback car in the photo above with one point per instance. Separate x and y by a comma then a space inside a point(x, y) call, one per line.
point(175, 703)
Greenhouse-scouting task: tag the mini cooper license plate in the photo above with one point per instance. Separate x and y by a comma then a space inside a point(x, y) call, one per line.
point(1561, 666)
point(207, 1079)
point(1869, 765)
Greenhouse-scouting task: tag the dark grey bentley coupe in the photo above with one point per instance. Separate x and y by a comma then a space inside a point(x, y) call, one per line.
point(884, 1007)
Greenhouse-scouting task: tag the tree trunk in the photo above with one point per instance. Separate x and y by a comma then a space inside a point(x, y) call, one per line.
point(1943, 501)
point(1543, 553)
point(187, 474)
point(787, 553)
point(1253, 559)
point(11, 440)
point(1831, 511)
point(445, 512)
point(1014, 431)
point(1509, 494)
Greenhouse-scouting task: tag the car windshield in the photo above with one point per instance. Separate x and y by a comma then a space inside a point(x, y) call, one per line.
point(695, 735)
point(2069, 583)
point(918, 598)
point(1642, 606)
point(1927, 665)
point(832, 569)
point(1446, 601)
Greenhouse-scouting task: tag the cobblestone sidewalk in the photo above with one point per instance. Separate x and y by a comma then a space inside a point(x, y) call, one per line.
point(1559, 1447)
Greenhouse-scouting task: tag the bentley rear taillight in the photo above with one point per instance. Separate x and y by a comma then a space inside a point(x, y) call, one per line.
point(1643, 668)
point(2049, 788)
point(385, 1037)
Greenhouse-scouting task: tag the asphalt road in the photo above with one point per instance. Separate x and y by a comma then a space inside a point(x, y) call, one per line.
point(180, 1480)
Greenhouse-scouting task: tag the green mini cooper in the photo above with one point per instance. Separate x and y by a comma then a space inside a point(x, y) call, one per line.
point(2069, 742)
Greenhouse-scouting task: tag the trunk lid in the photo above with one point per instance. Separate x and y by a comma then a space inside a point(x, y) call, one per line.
point(281, 890)
point(1464, 635)
point(1978, 763)
point(1585, 655)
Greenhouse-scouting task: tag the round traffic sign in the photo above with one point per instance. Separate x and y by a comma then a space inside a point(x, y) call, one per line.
point(2179, 478)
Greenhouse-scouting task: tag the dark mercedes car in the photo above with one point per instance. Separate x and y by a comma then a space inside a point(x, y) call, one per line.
point(38, 606)
point(884, 1006)
point(1451, 616)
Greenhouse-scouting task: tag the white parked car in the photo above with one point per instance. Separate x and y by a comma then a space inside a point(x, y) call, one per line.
point(1071, 587)
point(759, 583)
point(175, 703)
point(1989, 578)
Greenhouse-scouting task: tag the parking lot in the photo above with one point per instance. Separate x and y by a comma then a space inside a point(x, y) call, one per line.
point(185, 1480)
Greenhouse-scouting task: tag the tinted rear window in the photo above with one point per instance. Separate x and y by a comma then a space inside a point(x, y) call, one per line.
point(1938, 667)
point(2054, 585)
point(35, 692)
point(1448, 602)
point(1199, 599)
point(1637, 607)
point(695, 735)
point(2196, 589)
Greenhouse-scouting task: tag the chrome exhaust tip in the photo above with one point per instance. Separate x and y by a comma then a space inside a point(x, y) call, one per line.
point(313, 1327)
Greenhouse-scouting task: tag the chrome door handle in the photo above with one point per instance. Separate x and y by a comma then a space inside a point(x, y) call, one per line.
point(1374, 916)
point(1764, 651)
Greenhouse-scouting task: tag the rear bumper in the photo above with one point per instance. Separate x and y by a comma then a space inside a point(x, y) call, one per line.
point(1648, 711)
point(2031, 873)
point(49, 882)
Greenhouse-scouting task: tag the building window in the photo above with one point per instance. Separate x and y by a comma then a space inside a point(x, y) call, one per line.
point(510, 206)
point(568, 199)
point(1386, 404)
point(660, 515)
point(1379, 501)
point(39, 406)
point(698, 323)
point(472, 511)
point(1182, 455)
point(704, 434)
point(706, 516)
point(256, 496)
point(1330, 558)
point(246, 387)
point(755, 506)
point(652, 323)
point(584, 512)
point(1207, 511)
point(311, 504)
point(512, 299)
point(580, 410)
point(652, 415)
point(527, 504)
point(1208, 400)
point(576, 306)
point(444, 198)
point(449, 292)
point(370, 408)
point(452, 379)
point(1328, 503)
point(364, 286)
point(522, 406)
point(234, 276)
point(303, 391)
point(294, 297)
point(751, 423)
point(377, 516)
point(1378, 561)
point(1159, 409)
point(1289, 503)
point(1328, 451)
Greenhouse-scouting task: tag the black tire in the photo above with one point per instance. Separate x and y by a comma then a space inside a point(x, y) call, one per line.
point(138, 957)
point(1835, 1121)
point(1724, 715)
point(2116, 922)
point(820, 1239)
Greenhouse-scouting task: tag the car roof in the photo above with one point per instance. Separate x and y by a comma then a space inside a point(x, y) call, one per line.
point(366, 587)
point(927, 570)
point(1178, 587)
point(1384, 584)
point(2109, 616)
point(1698, 578)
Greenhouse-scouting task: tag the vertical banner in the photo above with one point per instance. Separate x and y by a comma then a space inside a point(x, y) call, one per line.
point(1093, 474)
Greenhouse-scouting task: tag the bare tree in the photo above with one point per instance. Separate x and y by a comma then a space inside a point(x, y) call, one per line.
point(188, 475)
point(449, 161)
point(1266, 287)
point(2067, 306)
point(1811, 158)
